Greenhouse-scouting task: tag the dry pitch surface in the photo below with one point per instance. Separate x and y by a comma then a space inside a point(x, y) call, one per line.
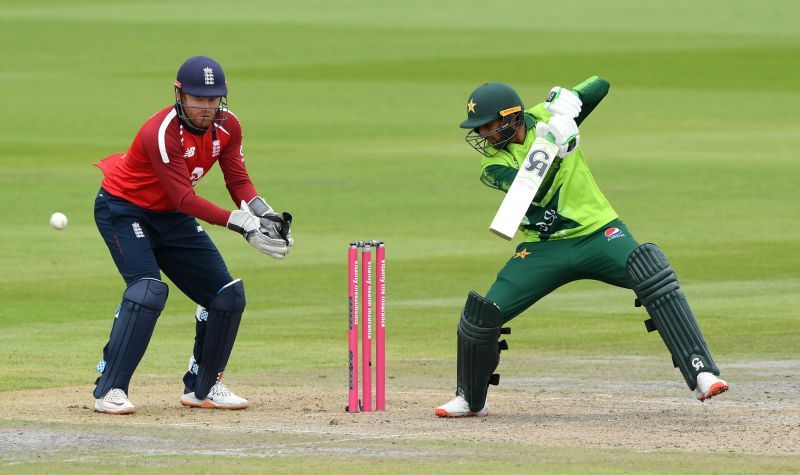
point(587, 409)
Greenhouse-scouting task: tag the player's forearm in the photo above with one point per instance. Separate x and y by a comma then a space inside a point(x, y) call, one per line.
point(241, 190)
point(591, 92)
point(498, 176)
point(203, 209)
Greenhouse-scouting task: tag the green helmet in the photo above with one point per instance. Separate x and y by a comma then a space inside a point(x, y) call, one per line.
point(492, 101)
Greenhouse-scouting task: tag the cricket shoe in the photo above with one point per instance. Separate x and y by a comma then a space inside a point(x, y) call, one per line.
point(219, 397)
point(459, 407)
point(114, 402)
point(708, 386)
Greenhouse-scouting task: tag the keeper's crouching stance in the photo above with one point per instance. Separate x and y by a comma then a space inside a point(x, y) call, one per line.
point(146, 211)
point(571, 233)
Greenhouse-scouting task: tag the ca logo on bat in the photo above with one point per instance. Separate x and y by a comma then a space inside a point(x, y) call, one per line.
point(538, 162)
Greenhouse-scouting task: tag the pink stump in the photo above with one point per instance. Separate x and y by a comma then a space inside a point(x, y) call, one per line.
point(352, 329)
point(366, 328)
point(380, 330)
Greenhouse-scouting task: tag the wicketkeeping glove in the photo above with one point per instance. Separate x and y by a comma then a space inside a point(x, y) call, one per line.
point(562, 131)
point(273, 225)
point(563, 101)
point(244, 222)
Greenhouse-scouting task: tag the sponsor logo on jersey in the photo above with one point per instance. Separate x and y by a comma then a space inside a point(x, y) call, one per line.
point(613, 233)
point(215, 149)
point(189, 153)
point(549, 216)
point(196, 175)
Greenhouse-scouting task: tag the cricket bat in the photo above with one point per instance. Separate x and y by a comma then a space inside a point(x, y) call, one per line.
point(524, 187)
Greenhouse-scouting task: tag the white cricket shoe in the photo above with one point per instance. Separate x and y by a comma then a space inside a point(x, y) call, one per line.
point(114, 402)
point(708, 386)
point(219, 397)
point(459, 407)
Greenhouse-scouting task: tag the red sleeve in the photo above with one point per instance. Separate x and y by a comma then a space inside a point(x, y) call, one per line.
point(231, 161)
point(174, 177)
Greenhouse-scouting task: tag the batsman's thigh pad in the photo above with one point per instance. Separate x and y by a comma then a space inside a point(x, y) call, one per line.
point(133, 326)
point(654, 282)
point(224, 316)
point(478, 349)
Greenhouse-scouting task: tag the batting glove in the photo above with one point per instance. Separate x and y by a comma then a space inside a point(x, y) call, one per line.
point(562, 131)
point(563, 101)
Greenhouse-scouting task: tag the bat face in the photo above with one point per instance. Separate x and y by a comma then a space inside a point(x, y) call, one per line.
point(524, 188)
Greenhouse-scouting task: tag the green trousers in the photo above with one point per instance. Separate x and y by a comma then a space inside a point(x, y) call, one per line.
point(538, 268)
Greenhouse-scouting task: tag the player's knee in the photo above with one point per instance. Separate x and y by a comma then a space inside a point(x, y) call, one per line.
point(148, 292)
point(230, 298)
point(650, 274)
point(481, 319)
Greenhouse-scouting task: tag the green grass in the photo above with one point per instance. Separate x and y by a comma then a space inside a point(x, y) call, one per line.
point(350, 113)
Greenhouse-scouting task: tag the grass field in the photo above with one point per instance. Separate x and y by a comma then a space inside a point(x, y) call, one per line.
point(350, 112)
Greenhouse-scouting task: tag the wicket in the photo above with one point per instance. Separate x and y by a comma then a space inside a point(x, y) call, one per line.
point(362, 288)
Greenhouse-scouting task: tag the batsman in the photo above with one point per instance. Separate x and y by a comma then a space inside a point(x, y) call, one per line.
point(570, 232)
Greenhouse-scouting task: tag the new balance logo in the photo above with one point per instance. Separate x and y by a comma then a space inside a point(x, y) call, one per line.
point(209, 76)
point(137, 230)
point(189, 153)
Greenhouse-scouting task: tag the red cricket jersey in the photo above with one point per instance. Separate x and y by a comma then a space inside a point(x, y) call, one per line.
point(166, 160)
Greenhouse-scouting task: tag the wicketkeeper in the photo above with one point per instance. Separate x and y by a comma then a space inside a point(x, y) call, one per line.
point(571, 232)
point(145, 211)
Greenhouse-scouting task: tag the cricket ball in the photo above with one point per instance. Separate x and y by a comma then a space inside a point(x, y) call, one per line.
point(58, 220)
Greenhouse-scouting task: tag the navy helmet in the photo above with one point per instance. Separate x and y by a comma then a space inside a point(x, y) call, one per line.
point(201, 76)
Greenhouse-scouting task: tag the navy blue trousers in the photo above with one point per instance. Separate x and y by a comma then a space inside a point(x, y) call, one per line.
point(143, 243)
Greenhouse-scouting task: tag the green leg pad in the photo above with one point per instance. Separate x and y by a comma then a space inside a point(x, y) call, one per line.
point(478, 349)
point(656, 286)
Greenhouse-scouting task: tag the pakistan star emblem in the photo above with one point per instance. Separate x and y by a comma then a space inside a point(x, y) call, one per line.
point(522, 254)
point(471, 106)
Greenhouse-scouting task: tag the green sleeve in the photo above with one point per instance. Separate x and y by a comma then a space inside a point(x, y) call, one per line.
point(591, 92)
point(498, 176)
point(501, 177)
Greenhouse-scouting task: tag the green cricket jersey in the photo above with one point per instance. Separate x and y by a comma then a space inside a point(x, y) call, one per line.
point(569, 203)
